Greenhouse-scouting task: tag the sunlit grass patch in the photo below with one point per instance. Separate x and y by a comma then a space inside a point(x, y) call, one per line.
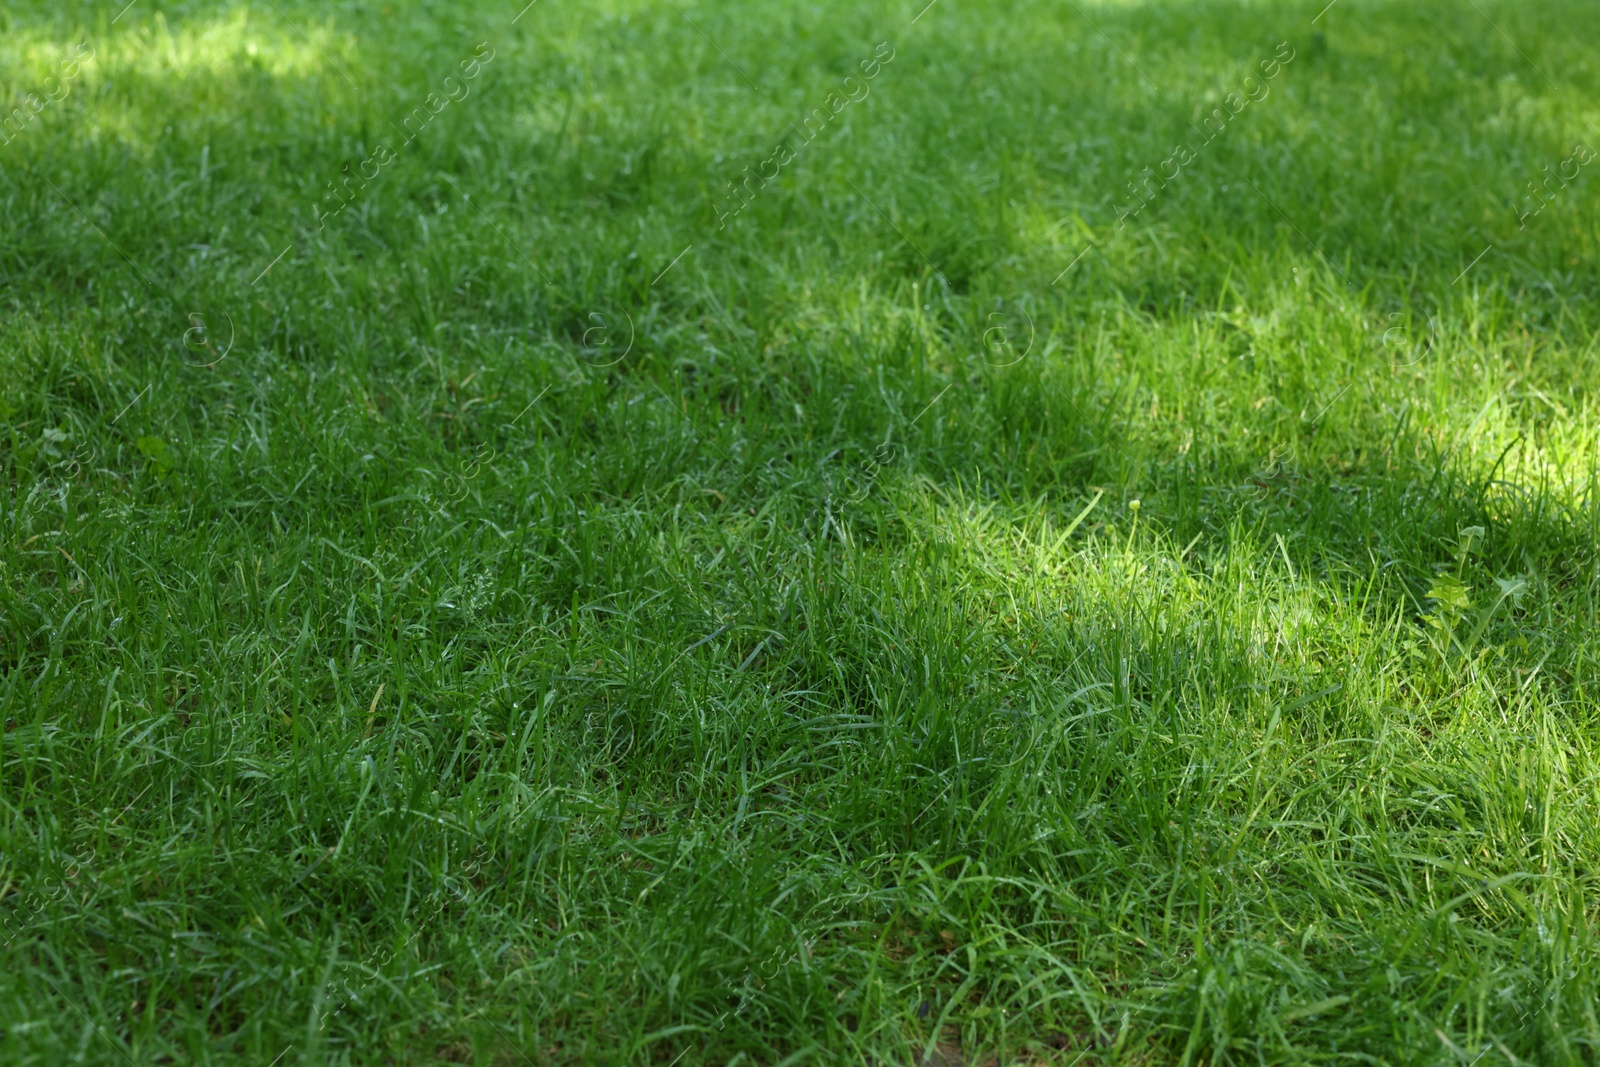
point(502, 602)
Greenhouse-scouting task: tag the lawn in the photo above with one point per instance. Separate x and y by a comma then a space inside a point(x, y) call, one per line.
point(687, 531)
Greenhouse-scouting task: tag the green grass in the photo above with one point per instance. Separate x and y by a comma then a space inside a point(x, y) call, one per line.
point(484, 638)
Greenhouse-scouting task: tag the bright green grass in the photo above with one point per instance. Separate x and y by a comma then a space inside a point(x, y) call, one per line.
point(436, 678)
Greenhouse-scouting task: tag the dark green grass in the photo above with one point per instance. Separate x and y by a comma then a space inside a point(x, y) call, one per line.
point(509, 652)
